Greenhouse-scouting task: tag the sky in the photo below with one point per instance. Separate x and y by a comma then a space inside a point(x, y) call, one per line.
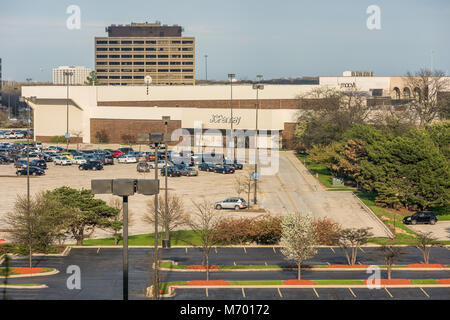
point(283, 38)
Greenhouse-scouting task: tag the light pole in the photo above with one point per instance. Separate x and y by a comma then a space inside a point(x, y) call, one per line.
point(156, 139)
point(125, 188)
point(257, 86)
point(206, 66)
point(166, 241)
point(231, 77)
point(67, 74)
point(32, 99)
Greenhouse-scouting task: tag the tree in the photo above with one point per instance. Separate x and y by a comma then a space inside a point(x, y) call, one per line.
point(77, 134)
point(83, 212)
point(351, 239)
point(325, 114)
point(204, 221)
point(244, 183)
point(298, 239)
point(116, 221)
point(35, 225)
point(327, 231)
point(390, 254)
point(424, 242)
point(427, 103)
point(175, 216)
point(102, 136)
point(128, 139)
point(92, 79)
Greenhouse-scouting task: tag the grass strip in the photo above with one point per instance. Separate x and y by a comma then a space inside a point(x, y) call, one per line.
point(424, 281)
point(11, 272)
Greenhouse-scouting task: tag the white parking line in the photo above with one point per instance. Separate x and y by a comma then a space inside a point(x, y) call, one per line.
point(207, 293)
point(279, 292)
point(332, 250)
point(215, 249)
point(314, 289)
point(186, 250)
point(265, 262)
point(98, 250)
point(234, 262)
point(388, 292)
point(424, 292)
point(244, 249)
point(362, 249)
point(351, 291)
point(274, 250)
point(243, 292)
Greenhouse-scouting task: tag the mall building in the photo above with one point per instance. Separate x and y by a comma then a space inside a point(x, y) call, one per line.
point(119, 113)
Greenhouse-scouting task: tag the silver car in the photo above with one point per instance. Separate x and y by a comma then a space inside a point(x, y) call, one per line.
point(231, 203)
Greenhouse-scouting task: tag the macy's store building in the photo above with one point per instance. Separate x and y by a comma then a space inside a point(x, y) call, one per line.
point(121, 114)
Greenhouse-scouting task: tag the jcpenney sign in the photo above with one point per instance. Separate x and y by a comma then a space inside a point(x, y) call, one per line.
point(219, 118)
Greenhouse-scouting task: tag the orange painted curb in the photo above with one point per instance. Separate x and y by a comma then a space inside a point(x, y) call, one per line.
point(444, 281)
point(346, 266)
point(387, 281)
point(28, 270)
point(208, 283)
point(298, 282)
point(420, 265)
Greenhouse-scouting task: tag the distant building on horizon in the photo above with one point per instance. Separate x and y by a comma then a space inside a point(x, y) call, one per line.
point(131, 52)
point(78, 77)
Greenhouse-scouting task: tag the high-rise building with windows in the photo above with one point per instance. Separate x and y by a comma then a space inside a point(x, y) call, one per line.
point(131, 52)
point(78, 75)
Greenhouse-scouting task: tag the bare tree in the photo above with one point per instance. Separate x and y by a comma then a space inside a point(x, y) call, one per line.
point(350, 240)
point(204, 221)
point(244, 183)
point(35, 225)
point(175, 216)
point(424, 242)
point(390, 254)
point(77, 134)
point(425, 87)
point(116, 223)
point(298, 239)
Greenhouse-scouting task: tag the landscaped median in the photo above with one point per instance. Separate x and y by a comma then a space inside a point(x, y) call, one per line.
point(173, 266)
point(24, 286)
point(19, 272)
point(167, 289)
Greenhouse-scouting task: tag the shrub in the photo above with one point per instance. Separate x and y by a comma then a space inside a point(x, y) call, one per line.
point(58, 139)
point(267, 230)
point(102, 136)
point(327, 231)
point(235, 231)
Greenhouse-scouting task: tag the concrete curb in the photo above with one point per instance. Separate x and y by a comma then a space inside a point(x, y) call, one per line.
point(12, 286)
point(171, 290)
point(42, 274)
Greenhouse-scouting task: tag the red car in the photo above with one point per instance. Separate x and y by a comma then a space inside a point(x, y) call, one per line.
point(117, 153)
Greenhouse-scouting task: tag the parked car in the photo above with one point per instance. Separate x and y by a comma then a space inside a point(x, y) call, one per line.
point(421, 217)
point(91, 165)
point(108, 159)
point(161, 164)
point(127, 159)
point(206, 166)
point(117, 153)
point(34, 171)
point(231, 203)
point(235, 164)
point(20, 164)
point(172, 171)
point(126, 150)
point(78, 160)
point(39, 163)
point(143, 167)
point(44, 156)
point(4, 159)
point(224, 169)
point(62, 161)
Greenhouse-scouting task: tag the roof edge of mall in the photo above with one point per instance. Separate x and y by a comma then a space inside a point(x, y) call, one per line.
point(131, 111)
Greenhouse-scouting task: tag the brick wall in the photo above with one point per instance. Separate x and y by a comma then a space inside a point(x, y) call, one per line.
point(116, 129)
point(288, 135)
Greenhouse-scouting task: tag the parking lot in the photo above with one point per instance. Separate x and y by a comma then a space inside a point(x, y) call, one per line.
point(440, 230)
point(195, 188)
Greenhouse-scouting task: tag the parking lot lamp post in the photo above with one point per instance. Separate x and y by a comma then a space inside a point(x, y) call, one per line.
point(231, 77)
point(125, 188)
point(156, 139)
point(67, 74)
point(258, 86)
point(166, 241)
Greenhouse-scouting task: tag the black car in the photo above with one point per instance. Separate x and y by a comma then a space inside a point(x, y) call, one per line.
point(143, 167)
point(224, 169)
point(4, 159)
point(421, 217)
point(20, 164)
point(205, 166)
point(236, 165)
point(39, 163)
point(91, 165)
point(171, 172)
point(34, 171)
